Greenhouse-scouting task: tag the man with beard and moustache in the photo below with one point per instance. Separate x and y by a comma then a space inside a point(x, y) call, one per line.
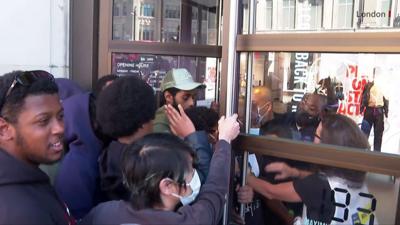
point(31, 133)
point(179, 92)
point(305, 120)
point(177, 87)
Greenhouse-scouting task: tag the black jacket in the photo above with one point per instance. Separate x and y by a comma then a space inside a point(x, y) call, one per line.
point(365, 99)
point(111, 181)
point(26, 196)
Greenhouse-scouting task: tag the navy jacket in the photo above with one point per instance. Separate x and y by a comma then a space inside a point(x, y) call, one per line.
point(67, 88)
point(77, 181)
point(26, 196)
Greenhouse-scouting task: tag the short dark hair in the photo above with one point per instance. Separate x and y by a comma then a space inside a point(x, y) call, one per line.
point(101, 83)
point(276, 127)
point(124, 106)
point(203, 118)
point(149, 160)
point(14, 102)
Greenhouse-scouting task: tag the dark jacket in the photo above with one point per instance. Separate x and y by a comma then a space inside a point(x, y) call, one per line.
point(77, 181)
point(298, 133)
point(26, 195)
point(207, 209)
point(111, 181)
point(199, 142)
point(365, 99)
point(110, 162)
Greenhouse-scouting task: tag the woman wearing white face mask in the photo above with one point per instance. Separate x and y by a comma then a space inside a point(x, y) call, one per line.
point(159, 172)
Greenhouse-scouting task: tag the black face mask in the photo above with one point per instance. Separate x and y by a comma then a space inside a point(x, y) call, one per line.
point(304, 119)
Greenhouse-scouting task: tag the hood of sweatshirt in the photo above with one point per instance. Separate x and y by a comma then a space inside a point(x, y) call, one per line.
point(14, 171)
point(67, 88)
point(78, 128)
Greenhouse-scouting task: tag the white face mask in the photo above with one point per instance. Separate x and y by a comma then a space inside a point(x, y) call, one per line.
point(195, 186)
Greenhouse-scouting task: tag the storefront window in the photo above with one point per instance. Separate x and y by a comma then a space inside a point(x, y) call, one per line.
point(166, 21)
point(327, 194)
point(298, 88)
point(345, 8)
point(320, 15)
point(287, 13)
point(153, 68)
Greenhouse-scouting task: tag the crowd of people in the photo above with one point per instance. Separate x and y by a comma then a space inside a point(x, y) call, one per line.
point(117, 159)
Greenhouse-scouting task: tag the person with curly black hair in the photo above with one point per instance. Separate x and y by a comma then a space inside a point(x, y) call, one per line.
point(125, 111)
point(31, 133)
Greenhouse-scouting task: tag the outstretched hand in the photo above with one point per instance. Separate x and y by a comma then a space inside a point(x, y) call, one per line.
point(179, 122)
point(228, 128)
point(282, 169)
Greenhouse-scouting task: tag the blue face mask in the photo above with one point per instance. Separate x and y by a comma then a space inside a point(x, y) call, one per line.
point(195, 186)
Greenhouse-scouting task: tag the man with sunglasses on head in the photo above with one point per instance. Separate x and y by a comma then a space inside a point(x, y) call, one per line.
point(31, 133)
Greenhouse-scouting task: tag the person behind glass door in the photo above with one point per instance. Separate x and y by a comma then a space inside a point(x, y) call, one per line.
point(374, 106)
point(305, 120)
point(262, 100)
point(334, 129)
point(177, 87)
point(158, 170)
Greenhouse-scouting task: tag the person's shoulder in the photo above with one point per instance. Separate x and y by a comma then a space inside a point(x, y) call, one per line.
point(161, 123)
point(160, 117)
point(106, 209)
point(16, 202)
point(111, 212)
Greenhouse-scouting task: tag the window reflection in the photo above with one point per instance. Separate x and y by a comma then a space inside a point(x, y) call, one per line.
point(153, 68)
point(166, 21)
point(329, 195)
point(287, 15)
point(322, 15)
point(300, 87)
point(345, 8)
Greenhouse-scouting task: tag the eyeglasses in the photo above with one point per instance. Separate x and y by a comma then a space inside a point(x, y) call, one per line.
point(26, 79)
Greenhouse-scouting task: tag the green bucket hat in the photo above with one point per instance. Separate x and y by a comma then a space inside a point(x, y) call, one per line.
point(180, 79)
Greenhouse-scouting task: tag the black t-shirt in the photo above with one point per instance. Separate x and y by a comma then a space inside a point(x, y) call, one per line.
point(315, 192)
